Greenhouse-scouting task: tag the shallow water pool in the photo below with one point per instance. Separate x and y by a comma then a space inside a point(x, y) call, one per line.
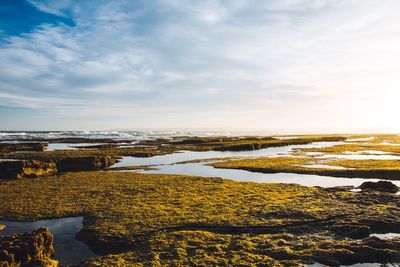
point(167, 164)
point(68, 249)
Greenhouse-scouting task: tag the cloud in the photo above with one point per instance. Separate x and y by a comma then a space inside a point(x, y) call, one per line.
point(169, 61)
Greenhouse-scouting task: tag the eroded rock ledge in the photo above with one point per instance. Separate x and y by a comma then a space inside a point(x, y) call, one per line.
point(13, 147)
point(29, 249)
point(17, 169)
point(88, 163)
point(382, 186)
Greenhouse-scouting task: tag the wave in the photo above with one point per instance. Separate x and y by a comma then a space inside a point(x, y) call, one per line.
point(117, 135)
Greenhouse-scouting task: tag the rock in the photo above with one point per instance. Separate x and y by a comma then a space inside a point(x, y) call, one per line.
point(352, 231)
point(29, 249)
point(13, 147)
point(2, 227)
point(87, 163)
point(382, 186)
point(16, 169)
point(368, 250)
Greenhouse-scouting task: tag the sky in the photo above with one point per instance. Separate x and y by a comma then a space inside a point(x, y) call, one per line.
point(209, 64)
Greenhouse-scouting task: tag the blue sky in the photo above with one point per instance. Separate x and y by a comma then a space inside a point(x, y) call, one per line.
point(287, 64)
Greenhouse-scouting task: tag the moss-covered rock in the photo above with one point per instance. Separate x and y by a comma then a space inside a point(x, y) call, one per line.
point(388, 169)
point(26, 146)
point(123, 212)
point(203, 248)
point(17, 169)
point(88, 163)
point(237, 143)
point(29, 249)
point(383, 186)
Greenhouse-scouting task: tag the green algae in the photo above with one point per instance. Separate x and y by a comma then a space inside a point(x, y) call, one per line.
point(242, 143)
point(389, 169)
point(142, 214)
point(176, 220)
point(202, 248)
point(389, 144)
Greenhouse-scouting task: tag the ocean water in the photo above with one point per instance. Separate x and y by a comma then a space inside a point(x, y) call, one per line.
point(122, 135)
point(175, 164)
point(68, 250)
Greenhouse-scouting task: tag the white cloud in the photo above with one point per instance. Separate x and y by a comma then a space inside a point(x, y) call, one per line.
point(276, 62)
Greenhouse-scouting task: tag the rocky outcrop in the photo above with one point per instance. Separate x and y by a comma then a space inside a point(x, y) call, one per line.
point(16, 169)
point(87, 163)
point(29, 249)
point(382, 186)
point(351, 231)
point(13, 147)
point(369, 250)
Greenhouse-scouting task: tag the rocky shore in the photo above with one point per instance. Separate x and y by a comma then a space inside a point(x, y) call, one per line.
point(135, 219)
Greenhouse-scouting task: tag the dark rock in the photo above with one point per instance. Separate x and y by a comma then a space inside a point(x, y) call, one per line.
point(382, 186)
point(369, 250)
point(104, 245)
point(17, 169)
point(13, 147)
point(336, 189)
point(29, 249)
point(87, 163)
point(352, 231)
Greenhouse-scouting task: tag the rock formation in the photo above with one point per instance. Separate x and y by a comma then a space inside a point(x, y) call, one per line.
point(29, 249)
point(16, 169)
point(13, 147)
point(86, 163)
point(383, 186)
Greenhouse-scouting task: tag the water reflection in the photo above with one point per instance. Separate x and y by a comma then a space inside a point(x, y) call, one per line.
point(60, 146)
point(193, 155)
point(68, 146)
point(68, 250)
point(387, 235)
point(199, 169)
point(166, 164)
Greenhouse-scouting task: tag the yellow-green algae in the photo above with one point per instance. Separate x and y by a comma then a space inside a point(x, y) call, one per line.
point(389, 169)
point(114, 152)
point(361, 143)
point(201, 248)
point(358, 147)
point(236, 143)
point(145, 215)
point(167, 146)
point(133, 203)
